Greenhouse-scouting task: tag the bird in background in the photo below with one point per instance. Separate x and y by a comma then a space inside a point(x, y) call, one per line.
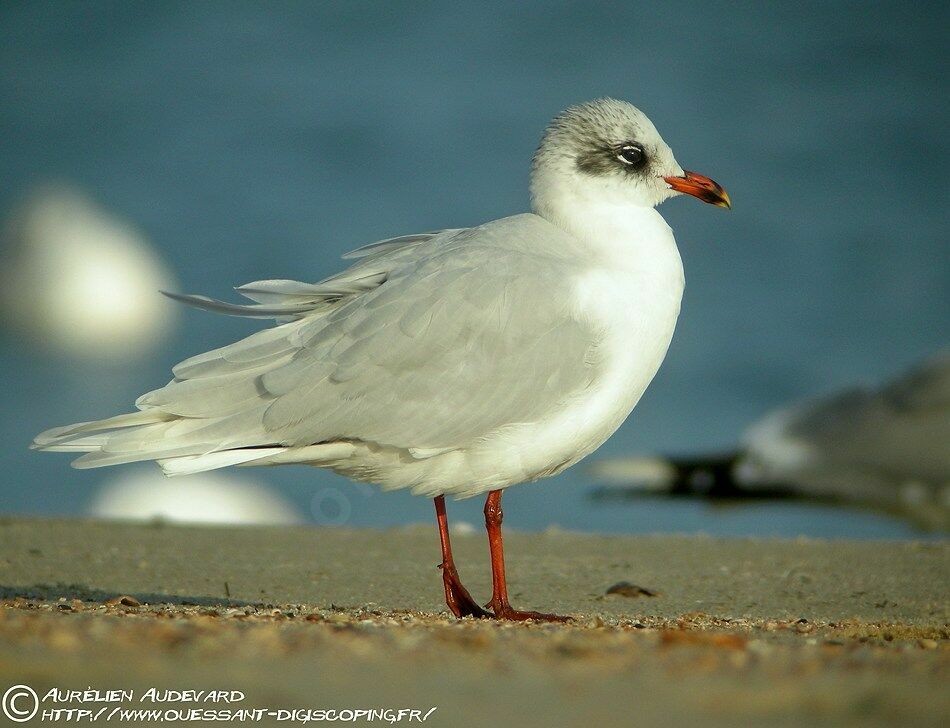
point(457, 362)
point(882, 448)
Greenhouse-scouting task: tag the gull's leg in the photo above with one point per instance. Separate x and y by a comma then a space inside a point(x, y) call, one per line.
point(499, 596)
point(456, 596)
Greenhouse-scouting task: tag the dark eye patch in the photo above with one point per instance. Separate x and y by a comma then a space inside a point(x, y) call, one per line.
point(606, 159)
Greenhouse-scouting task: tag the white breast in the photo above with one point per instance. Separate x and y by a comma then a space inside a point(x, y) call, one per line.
point(628, 288)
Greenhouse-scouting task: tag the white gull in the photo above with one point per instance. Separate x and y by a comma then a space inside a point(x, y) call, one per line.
point(456, 362)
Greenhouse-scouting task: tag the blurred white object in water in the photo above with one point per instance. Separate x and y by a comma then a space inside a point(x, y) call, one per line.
point(76, 279)
point(203, 498)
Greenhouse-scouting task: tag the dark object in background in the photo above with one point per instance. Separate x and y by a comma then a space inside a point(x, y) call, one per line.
point(886, 448)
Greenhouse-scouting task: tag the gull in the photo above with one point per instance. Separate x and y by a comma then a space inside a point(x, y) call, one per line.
point(457, 362)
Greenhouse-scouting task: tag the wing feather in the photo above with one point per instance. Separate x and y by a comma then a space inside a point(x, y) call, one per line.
point(428, 343)
point(445, 369)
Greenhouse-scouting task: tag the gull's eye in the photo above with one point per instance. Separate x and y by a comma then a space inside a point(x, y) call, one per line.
point(631, 154)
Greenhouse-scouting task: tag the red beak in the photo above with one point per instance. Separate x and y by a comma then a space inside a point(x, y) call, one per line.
point(702, 187)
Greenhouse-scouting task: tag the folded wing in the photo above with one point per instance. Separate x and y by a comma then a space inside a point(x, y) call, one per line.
point(425, 346)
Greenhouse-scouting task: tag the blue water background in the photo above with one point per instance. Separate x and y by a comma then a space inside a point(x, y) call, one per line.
point(262, 140)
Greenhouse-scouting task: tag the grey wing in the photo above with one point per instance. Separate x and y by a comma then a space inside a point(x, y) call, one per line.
point(437, 357)
point(457, 336)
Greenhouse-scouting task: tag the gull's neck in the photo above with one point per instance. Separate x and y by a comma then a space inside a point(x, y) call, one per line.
point(613, 230)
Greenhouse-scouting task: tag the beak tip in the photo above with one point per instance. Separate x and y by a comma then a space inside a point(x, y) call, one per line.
point(700, 186)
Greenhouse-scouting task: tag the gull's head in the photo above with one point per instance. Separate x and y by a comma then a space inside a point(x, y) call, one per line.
point(608, 151)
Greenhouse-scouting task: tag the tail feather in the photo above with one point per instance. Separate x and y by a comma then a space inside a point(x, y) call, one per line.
point(127, 438)
point(58, 438)
point(102, 458)
point(80, 444)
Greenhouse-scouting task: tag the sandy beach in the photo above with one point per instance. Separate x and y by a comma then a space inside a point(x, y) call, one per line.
point(762, 632)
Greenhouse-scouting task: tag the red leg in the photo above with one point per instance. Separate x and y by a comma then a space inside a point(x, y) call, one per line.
point(499, 597)
point(456, 596)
